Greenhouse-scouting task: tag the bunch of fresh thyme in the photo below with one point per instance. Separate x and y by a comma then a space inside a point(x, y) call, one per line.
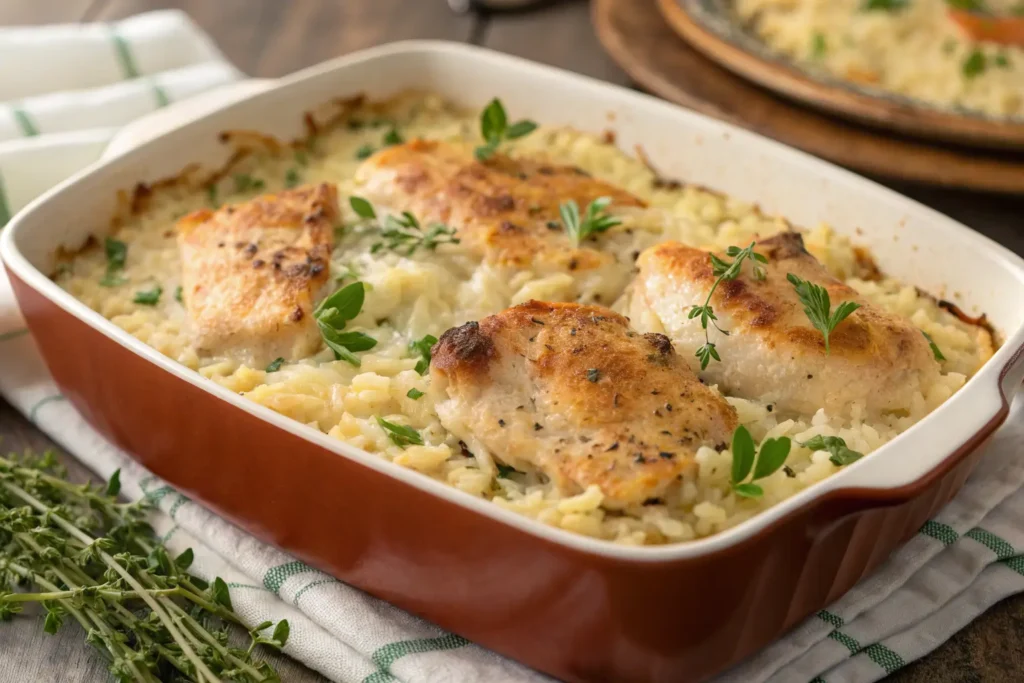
point(83, 554)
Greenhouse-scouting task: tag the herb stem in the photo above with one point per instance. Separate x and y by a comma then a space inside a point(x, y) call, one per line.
point(201, 669)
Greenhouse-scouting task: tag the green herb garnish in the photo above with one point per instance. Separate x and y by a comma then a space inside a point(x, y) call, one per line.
point(414, 393)
point(1002, 61)
point(723, 270)
point(771, 457)
point(840, 454)
point(593, 375)
point(886, 5)
point(403, 234)
point(968, 5)
point(247, 183)
point(211, 195)
point(365, 152)
point(974, 65)
point(495, 129)
point(149, 297)
point(117, 253)
point(392, 137)
point(292, 178)
point(506, 471)
point(422, 347)
point(301, 157)
point(593, 222)
point(818, 46)
point(401, 435)
point(331, 316)
point(934, 347)
point(81, 554)
point(817, 306)
point(177, 294)
point(275, 365)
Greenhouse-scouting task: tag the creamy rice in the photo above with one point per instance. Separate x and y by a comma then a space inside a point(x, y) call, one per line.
point(914, 50)
point(409, 297)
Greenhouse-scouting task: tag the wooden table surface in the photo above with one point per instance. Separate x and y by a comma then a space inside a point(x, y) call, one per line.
point(274, 37)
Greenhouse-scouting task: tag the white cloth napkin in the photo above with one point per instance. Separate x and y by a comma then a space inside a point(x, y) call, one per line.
point(963, 561)
point(76, 84)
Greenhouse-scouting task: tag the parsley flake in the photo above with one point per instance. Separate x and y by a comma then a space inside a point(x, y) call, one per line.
point(414, 393)
point(423, 347)
point(275, 364)
point(936, 353)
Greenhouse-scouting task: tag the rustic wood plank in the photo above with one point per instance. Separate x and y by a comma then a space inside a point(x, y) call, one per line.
point(270, 38)
point(559, 35)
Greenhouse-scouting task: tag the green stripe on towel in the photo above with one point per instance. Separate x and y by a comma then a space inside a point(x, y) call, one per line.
point(24, 121)
point(276, 576)
point(5, 208)
point(940, 532)
point(385, 656)
point(884, 657)
point(34, 410)
point(162, 100)
point(1000, 547)
point(1015, 563)
point(13, 334)
point(833, 620)
point(124, 55)
point(849, 643)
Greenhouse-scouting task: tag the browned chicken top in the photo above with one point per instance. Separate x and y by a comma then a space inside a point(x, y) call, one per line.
point(577, 394)
point(504, 210)
point(252, 272)
point(772, 351)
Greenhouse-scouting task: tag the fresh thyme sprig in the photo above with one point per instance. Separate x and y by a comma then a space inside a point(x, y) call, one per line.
point(769, 459)
point(723, 270)
point(495, 128)
point(818, 306)
point(936, 351)
point(83, 554)
point(595, 220)
point(331, 316)
point(403, 234)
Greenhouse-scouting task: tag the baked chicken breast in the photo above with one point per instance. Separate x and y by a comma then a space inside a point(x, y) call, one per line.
point(505, 210)
point(772, 352)
point(574, 392)
point(252, 273)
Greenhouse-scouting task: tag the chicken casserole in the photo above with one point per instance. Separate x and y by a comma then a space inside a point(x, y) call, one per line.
point(511, 316)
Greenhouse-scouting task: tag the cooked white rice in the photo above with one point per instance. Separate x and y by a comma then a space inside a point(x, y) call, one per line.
point(914, 49)
point(408, 298)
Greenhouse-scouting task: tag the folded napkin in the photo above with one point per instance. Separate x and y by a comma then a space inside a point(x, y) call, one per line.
point(76, 84)
point(962, 562)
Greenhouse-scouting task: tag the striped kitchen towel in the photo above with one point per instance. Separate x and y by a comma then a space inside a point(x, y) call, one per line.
point(76, 84)
point(967, 558)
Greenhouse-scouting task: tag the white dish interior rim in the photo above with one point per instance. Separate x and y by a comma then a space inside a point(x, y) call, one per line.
point(982, 399)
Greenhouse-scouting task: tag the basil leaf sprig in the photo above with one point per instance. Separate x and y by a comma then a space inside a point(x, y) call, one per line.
point(83, 556)
point(723, 270)
point(595, 220)
point(495, 129)
point(403, 234)
point(840, 454)
point(331, 316)
point(769, 459)
point(400, 435)
point(117, 253)
point(818, 307)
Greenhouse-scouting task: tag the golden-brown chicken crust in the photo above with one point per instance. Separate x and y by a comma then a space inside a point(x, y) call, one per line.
point(251, 272)
point(769, 306)
point(505, 210)
point(577, 393)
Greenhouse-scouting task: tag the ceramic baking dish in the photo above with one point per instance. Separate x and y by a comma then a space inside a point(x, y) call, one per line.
point(571, 606)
